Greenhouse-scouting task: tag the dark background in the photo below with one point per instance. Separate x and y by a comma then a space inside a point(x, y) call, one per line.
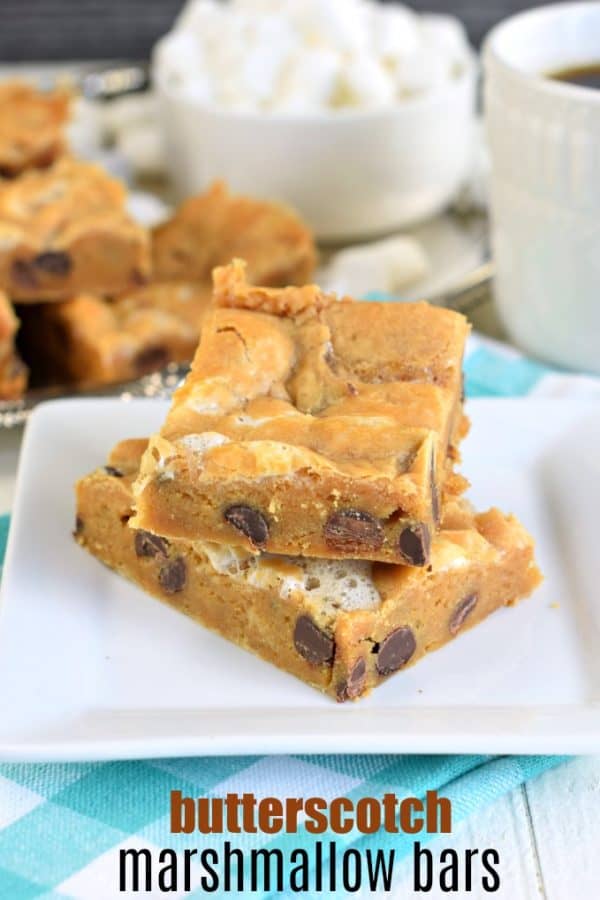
point(87, 29)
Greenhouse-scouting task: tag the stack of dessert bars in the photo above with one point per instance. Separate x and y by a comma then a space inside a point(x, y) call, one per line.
point(301, 498)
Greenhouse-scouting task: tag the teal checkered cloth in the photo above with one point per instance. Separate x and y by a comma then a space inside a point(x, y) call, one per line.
point(61, 826)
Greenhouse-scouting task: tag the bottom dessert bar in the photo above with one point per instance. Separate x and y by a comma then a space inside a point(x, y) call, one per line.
point(341, 626)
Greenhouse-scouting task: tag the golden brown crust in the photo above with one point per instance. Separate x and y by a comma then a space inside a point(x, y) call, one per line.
point(211, 229)
point(89, 340)
point(343, 640)
point(32, 126)
point(232, 288)
point(307, 414)
point(64, 231)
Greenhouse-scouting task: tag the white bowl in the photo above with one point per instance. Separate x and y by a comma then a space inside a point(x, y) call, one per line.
point(350, 174)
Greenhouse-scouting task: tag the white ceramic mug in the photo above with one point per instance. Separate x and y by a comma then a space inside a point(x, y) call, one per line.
point(544, 139)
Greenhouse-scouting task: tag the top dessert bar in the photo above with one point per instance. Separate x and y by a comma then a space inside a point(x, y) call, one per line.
point(32, 127)
point(211, 229)
point(310, 426)
point(66, 230)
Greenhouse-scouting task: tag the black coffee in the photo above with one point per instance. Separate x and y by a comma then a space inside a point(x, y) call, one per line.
point(584, 76)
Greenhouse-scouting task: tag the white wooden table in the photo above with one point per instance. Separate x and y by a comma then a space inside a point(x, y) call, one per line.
point(547, 833)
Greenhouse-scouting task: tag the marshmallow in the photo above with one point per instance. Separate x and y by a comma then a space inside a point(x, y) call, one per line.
point(306, 55)
point(339, 24)
point(395, 33)
point(263, 67)
point(310, 81)
point(447, 35)
point(367, 84)
point(389, 265)
point(180, 58)
point(201, 17)
point(418, 73)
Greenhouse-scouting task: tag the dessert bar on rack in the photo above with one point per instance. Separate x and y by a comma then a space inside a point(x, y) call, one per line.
point(32, 127)
point(65, 230)
point(96, 341)
point(310, 426)
point(212, 228)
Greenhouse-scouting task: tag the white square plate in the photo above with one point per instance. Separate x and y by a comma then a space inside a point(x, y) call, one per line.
point(92, 668)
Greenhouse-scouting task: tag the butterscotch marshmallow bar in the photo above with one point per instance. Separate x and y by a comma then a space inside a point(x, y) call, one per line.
point(310, 426)
point(65, 230)
point(341, 626)
point(32, 127)
point(211, 229)
point(92, 340)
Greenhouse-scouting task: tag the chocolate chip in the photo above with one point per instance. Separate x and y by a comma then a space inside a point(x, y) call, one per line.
point(414, 545)
point(53, 262)
point(173, 575)
point(148, 544)
point(112, 470)
point(355, 685)
point(312, 643)
point(462, 611)
point(138, 278)
point(23, 274)
point(395, 651)
point(151, 358)
point(249, 521)
point(78, 526)
point(351, 530)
